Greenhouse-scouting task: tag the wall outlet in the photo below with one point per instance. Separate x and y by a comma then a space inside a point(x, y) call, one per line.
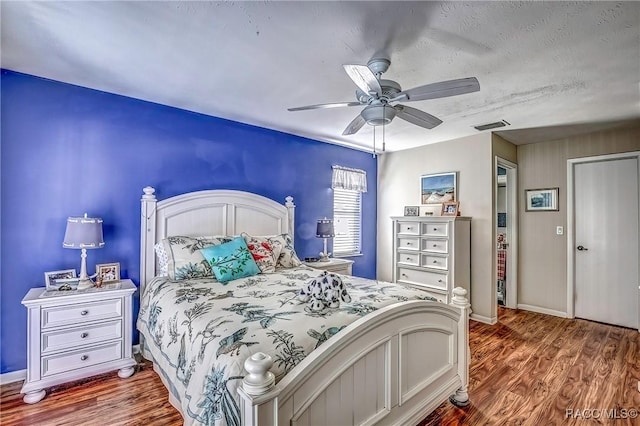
point(559, 230)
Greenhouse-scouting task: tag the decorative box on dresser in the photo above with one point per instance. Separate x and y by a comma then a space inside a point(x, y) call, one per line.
point(77, 335)
point(433, 253)
point(337, 265)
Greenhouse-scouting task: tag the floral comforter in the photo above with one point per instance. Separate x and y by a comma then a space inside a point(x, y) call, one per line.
point(199, 332)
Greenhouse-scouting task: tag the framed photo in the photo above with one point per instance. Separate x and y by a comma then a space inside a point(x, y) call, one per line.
point(108, 272)
point(412, 210)
point(438, 188)
point(450, 208)
point(540, 200)
point(54, 280)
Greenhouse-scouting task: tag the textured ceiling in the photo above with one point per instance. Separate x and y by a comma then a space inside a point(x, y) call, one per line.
point(539, 64)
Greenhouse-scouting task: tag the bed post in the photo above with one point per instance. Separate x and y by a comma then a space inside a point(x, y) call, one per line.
point(147, 235)
point(256, 408)
point(291, 217)
point(459, 300)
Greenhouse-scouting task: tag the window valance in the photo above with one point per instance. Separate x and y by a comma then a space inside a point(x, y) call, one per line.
point(347, 178)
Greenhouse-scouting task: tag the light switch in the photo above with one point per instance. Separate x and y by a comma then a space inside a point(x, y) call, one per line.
point(559, 230)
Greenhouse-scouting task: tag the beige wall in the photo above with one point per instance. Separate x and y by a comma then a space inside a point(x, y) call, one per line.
point(399, 185)
point(542, 277)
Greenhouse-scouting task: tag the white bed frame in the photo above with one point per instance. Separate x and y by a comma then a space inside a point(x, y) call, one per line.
point(394, 366)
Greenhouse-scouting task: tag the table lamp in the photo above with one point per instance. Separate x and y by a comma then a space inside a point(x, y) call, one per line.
point(325, 230)
point(83, 233)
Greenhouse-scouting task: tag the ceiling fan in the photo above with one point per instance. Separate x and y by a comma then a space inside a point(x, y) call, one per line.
point(377, 95)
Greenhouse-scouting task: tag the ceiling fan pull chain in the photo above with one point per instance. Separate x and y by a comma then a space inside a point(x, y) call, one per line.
point(374, 141)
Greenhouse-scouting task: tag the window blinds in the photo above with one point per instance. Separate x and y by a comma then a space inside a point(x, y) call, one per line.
point(348, 185)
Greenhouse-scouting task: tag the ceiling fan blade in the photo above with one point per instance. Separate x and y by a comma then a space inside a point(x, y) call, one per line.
point(364, 78)
point(440, 90)
point(417, 117)
point(354, 126)
point(320, 106)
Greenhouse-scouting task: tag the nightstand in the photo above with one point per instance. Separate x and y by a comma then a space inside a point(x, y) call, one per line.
point(77, 335)
point(339, 266)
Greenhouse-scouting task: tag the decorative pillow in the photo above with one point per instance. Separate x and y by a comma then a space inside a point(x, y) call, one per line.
point(262, 252)
point(162, 260)
point(231, 260)
point(282, 244)
point(185, 259)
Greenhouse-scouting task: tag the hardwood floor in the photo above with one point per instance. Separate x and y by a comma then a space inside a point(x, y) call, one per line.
point(526, 370)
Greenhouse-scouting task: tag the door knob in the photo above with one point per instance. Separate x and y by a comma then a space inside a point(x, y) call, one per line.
point(582, 248)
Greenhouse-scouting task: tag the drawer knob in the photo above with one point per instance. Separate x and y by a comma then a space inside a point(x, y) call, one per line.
point(435, 245)
point(408, 258)
point(83, 313)
point(84, 357)
point(408, 228)
point(435, 261)
point(435, 229)
point(440, 281)
point(84, 335)
point(404, 275)
point(408, 243)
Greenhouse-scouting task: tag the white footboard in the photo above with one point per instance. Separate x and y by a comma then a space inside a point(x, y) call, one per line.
point(392, 367)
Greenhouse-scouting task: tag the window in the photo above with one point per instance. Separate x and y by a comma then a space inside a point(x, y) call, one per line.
point(347, 220)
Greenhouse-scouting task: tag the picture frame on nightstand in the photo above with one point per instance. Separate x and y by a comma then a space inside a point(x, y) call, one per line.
point(108, 272)
point(61, 280)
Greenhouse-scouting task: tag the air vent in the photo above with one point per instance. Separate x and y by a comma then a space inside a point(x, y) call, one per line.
point(495, 125)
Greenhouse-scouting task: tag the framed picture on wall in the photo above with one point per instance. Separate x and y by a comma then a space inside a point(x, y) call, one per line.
point(540, 200)
point(438, 188)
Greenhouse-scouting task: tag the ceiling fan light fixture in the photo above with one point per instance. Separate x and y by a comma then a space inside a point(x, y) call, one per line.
point(378, 115)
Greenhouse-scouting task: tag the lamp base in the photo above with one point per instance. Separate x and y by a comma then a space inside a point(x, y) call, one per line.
point(324, 257)
point(85, 284)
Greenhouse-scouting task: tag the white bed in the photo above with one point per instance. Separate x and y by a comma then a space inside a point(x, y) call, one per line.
point(392, 366)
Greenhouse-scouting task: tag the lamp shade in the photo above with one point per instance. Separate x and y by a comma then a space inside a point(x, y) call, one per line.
point(83, 233)
point(325, 228)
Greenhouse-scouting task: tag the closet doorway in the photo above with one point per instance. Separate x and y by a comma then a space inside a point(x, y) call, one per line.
point(506, 234)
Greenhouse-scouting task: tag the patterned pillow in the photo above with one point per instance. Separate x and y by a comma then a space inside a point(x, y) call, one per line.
point(231, 260)
point(185, 260)
point(162, 260)
point(262, 253)
point(284, 245)
point(282, 248)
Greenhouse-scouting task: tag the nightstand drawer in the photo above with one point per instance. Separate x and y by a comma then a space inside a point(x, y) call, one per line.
point(81, 312)
point(81, 336)
point(56, 364)
point(432, 279)
point(438, 262)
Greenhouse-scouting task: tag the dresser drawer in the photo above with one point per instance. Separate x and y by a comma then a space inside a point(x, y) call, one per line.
point(412, 228)
point(432, 279)
point(435, 229)
point(60, 363)
point(435, 245)
point(89, 334)
point(409, 258)
point(440, 297)
point(409, 243)
point(81, 312)
point(432, 261)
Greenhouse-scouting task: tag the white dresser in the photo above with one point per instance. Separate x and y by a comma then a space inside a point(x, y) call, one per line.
point(433, 253)
point(77, 335)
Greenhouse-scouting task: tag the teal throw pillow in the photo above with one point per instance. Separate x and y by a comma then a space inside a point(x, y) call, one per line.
point(231, 260)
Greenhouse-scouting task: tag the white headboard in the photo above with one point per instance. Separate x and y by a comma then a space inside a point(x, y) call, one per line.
point(212, 212)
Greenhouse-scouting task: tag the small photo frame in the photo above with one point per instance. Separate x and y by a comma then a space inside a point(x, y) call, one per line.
point(108, 272)
point(540, 200)
point(412, 210)
point(54, 280)
point(450, 208)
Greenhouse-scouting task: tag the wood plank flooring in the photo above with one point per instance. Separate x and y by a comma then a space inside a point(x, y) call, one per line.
point(526, 370)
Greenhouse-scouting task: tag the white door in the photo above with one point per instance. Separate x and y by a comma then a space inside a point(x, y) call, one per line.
point(606, 241)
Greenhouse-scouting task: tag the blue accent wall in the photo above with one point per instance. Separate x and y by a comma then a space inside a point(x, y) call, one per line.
point(67, 150)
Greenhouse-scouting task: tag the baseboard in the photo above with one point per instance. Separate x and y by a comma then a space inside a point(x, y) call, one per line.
point(16, 376)
point(483, 319)
point(540, 310)
point(13, 376)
